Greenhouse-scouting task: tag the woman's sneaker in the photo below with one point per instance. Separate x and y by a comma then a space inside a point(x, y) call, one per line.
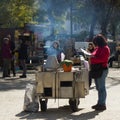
point(94, 106)
point(99, 107)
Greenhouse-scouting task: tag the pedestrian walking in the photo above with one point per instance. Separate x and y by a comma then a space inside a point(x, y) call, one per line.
point(99, 69)
point(12, 48)
point(23, 57)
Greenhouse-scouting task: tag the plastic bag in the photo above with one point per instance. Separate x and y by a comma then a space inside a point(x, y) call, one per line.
point(31, 103)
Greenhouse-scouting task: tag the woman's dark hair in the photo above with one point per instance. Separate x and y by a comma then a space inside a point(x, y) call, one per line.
point(91, 43)
point(100, 40)
point(55, 42)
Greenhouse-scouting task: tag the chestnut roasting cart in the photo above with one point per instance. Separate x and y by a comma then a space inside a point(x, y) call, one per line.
point(62, 85)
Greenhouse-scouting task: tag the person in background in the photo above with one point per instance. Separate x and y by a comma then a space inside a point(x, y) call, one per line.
point(23, 55)
point(100, 56)
point(55, 50)
point(12, 48)
point(90, 49)
point(114, 57)
point(6, 56)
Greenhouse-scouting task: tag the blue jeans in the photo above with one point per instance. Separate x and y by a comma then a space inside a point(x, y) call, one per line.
point(101, 88)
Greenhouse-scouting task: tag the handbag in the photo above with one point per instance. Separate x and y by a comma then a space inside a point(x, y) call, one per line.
point(96, 71)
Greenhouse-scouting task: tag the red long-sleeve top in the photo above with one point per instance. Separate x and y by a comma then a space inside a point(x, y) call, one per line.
point(100, 55)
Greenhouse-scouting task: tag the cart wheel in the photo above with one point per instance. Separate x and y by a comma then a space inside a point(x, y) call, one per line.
point(43, 104)
point(74, 104)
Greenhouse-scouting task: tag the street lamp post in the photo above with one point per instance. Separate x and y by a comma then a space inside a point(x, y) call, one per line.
point(71, 20)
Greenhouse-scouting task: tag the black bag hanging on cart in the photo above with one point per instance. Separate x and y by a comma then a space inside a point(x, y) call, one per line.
point(96, 71)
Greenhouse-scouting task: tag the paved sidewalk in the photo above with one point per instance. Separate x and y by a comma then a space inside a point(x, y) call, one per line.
point(12, 97)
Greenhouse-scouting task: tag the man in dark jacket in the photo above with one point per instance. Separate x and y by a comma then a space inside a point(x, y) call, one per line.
point(12, 48)
point(23, 57)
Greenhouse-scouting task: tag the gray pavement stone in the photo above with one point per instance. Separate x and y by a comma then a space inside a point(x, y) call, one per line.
point(12, 97)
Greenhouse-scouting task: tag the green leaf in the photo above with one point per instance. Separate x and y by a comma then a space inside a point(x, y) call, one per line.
point(67, 62)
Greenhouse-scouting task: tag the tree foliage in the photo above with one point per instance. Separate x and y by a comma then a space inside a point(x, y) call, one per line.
point(101, 13)
point(16, 12)
point(89, 13)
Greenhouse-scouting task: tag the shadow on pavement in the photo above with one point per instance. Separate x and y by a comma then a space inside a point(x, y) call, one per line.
point(85, 116)
point(60, 113)
point(113, 82)
point(13, 83)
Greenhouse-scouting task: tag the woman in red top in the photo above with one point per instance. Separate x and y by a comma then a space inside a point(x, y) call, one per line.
point(100, 56)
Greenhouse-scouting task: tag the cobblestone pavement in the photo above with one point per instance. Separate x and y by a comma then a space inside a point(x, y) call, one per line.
point(12, 97)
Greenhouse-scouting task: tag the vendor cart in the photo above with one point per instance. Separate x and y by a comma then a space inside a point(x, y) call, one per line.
point(62, 85)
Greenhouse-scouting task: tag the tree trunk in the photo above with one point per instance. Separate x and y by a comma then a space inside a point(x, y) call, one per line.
point(103, 28)
point(106, 19)
point(113, 32)
point(91, 35)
